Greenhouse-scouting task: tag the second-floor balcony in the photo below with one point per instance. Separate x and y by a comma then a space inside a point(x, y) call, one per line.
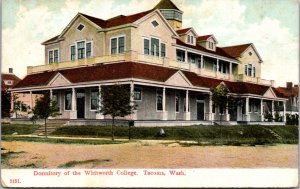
point(208, 67)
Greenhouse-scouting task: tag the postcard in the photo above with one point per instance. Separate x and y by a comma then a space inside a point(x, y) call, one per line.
point(139, 93)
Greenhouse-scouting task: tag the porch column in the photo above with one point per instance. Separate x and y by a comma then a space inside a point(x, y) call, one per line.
point(210, 104)
point(31, 101)
point(99, 115)
point(165, 113)
point(261, 110)
point(13, 115)
point(73, 113)
point(230, 71)
point(247, 110)
point(202, 63)
point(273, 113)
point(133, 116)
point(187, 112)
point(217, 72)
point(227, 116)
point(186, 57)
point(284, 111)
point(51, 94)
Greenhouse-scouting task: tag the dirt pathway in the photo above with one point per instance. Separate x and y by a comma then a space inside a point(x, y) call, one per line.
point(149, 155)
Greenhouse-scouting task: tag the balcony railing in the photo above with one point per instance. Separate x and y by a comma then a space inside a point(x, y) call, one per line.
point(256, 80)
point(136, 57)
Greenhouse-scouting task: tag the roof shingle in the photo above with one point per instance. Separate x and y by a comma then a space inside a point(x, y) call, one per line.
point(236, 51)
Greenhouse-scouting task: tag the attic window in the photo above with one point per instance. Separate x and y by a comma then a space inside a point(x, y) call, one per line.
point(154, 23)
point(250, 53)
point(80, 27)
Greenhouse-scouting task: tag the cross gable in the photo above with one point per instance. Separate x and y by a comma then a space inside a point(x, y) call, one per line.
point(178, 79)
point(270, 93)
point(157, 12)
point(59, 80)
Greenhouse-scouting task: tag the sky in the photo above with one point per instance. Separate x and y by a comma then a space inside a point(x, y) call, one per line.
point(271, 25)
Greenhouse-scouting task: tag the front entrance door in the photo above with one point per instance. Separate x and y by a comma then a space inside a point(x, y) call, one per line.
point(200, 110)
point(80, 103)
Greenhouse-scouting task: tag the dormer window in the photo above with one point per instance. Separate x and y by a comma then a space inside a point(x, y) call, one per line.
point(190, 39)
point(211, 45)
point(80, 27)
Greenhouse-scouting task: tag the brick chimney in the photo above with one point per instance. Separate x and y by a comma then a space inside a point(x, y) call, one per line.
point(10, 70)
point(289, 86)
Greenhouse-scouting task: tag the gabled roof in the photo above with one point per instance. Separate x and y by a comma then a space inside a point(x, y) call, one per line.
point(219, 51)
point(100, 73)
point(237, 50)
point(112, 22)
point(286, 92)
point(11, 77)
point(186, 30)
point(166, 4)
point(183, 31)
point(203, 38)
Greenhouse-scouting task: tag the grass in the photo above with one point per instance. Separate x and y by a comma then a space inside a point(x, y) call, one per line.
point(61, 141)
point(74, 163)
point(212, 135)
point(216, 135)
point(8, 129)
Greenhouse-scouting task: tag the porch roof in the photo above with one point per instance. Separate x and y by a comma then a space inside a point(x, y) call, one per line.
point(127, 70)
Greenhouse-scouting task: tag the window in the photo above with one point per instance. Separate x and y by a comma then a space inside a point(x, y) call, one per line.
point(250, 107)
point(163, 50)
point(250, 53)
point(51, 60)
point(172, 14)
point(146, 46)
point(249, 70)
point(154, 47)
point(94, 99)
point(117, 45)
point(88, 49)
point(180, 55)
point(53, 56)
point(189, 40)
point(210, 45)
point(80, 27)
point(159, 100)
point(137, 94)
point(81, 50)
point(121, 44)
point(73, 53)
point(154, 23)
point(113, 46)
point(68, 100)
point(177, 102)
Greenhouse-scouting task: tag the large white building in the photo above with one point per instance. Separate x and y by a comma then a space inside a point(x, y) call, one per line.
point(171, 70)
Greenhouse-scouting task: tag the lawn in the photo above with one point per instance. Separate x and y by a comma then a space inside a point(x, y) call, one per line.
point(227, 135)
point(212, 135)
point(8, 129)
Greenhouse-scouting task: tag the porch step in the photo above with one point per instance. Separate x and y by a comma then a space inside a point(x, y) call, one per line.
point(52, 125)
point(275, 134)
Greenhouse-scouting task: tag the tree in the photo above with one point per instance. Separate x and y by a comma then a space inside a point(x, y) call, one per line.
point(5, 102)
point(222, 98)
point(115, 101)
point(45, 108)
